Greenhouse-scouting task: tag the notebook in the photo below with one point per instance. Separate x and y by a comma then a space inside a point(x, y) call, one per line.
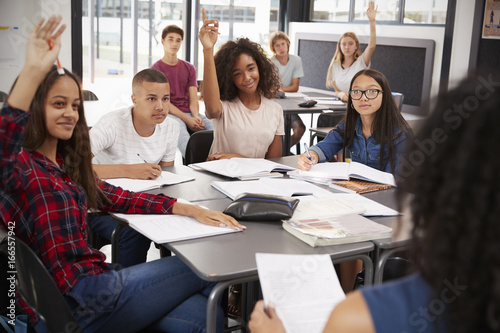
point(140, 185)
point(242, 167)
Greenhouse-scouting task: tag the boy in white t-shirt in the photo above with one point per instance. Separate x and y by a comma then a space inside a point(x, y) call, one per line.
point(134, 142)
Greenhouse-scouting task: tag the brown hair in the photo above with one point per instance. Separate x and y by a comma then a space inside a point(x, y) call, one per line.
point(226, 57)
point(278, 35)
point(148, 75)
point(172, 28)
point(339, 56)
point(76, 151)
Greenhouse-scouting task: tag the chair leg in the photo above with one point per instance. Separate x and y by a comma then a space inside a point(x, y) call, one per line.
point(297, 147)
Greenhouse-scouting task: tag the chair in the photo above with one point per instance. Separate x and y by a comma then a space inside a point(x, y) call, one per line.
point(89, 96)
point(3, 96)
point(398, 98)
point(326, 122)
point(198, 147)
point(97, 241)
point(36, 287)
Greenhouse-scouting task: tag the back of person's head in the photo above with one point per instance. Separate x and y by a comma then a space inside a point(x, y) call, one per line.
point(225, 59)
point(75, 151)
point(148, 75)
point(338, 57)
point(172, 29)
point(388, 123)
point(453, 172)
point(277, 36)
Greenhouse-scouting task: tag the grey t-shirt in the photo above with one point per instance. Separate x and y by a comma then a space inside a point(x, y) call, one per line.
point(292, 70)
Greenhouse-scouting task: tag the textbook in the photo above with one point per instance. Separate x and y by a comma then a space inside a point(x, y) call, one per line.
point(242, 168)
point(303, 288)
point(167, 228)
point(344, 171)
point(139, 185)
point(336, 230)
point(271, 186)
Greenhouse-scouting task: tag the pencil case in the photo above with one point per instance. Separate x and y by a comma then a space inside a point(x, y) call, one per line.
point(261, 207)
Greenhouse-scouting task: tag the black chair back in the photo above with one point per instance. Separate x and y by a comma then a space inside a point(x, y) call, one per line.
point(3, 96)
point(198, 147)
point(39, 291)
point(89, 96)
point(398, 98)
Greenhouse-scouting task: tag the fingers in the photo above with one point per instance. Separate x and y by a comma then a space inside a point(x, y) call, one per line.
point(223, 220)
point(47, 29)
point(204, 15)
point(271, 310)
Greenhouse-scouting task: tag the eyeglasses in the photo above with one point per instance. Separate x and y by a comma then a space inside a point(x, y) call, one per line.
point(370, 93)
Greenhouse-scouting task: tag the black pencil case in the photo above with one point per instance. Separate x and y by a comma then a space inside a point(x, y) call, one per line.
point(261, 207)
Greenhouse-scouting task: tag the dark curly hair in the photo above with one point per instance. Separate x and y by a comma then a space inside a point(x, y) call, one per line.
point(453, 171)
point(225, 58)
point(388, 124)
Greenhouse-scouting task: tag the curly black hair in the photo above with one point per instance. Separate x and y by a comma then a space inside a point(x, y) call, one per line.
point(453, 172)
point(388, 124)
point(225, 58)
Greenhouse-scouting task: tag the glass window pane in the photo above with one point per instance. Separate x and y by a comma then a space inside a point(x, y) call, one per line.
point(425, 11)
point(255, 19)
point(388, 10)
point(328, 10)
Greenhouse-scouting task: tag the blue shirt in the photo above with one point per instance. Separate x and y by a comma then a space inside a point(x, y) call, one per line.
point(365, 151)
point(409, 305)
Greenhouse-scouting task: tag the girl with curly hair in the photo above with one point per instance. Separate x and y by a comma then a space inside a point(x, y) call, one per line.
point(452, 175)
point(238, 84)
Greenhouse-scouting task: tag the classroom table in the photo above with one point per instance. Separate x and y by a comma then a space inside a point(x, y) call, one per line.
point(291, 107)
point(230, 259)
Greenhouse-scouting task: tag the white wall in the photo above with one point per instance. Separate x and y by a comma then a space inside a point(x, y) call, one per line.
point(24, 14)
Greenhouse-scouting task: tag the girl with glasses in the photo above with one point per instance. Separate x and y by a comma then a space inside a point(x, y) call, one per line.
point(348, 59)
point(373, 130)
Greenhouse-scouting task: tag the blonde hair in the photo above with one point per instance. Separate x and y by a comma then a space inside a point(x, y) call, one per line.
point(339, 56)
point(274, 38)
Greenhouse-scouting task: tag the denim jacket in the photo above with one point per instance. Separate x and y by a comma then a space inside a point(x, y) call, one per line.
point(363, 150)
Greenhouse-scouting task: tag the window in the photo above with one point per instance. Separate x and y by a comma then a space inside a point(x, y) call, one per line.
point(415, 11)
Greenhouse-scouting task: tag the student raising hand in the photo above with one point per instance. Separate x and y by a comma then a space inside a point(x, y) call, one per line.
point(208, 33)
point(371, 12)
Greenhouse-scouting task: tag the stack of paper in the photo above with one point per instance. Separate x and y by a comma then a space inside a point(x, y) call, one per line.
point(139, 185)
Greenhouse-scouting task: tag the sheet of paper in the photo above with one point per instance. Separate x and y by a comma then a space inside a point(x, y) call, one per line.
point(236, 167)
point(372, 208)
point(333, 205)
point(138, 185)
point(303, 288)
point(336, 170)
point(365, 172)
point(295, 95)
point(163, 228)
point(329, 102)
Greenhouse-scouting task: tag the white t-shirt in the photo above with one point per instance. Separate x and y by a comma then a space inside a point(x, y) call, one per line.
point(343, 77)
point(292, 69)
point(247, 132)
point(113, 140)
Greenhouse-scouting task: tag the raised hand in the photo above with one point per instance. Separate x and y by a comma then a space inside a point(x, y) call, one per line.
point(208, 32)
point(371, 12)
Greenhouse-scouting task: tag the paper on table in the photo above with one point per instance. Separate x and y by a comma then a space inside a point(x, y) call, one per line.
point(236, 167)
point(372, 208)
point(271, 186)
point(163, 228)
point(333, 205)
point(294, 94)
point(138, 185)
point(303, 288)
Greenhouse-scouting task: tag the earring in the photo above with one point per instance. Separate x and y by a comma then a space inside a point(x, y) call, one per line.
point(352, 106)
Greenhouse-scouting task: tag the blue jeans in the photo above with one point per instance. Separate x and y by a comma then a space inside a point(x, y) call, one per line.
point(184, 133)
point(163, 295)
point(133, 246)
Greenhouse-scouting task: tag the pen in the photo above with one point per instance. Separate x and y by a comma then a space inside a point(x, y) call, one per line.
point(139, 155)
point(60, 69)
point(307, 152)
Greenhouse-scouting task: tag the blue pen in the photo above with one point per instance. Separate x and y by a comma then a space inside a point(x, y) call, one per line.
point(307, 152)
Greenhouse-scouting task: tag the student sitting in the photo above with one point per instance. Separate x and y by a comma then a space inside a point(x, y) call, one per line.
point(238, 84)
point(290, 69)
point(181, 74)
point(373, 132)
point(348, 60)
point(452, 174)
point(134, 142)
point(46, 186)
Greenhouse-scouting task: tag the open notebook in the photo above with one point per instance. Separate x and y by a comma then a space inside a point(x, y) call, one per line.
point(139, 185)
point(242, 168)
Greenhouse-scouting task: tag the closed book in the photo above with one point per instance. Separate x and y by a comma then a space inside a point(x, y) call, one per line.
point(336, 230)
